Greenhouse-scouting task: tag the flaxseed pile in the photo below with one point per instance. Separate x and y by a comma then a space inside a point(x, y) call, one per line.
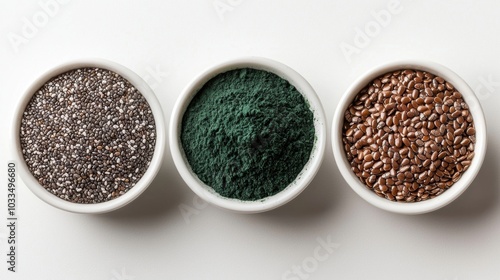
point(88, 135)
point(409, 135)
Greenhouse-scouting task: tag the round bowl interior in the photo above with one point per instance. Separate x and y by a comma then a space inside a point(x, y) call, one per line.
point(303, 179)
point(454, 191)
point(146, 179)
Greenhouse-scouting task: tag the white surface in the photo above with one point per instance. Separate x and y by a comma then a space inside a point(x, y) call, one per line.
point(459, 187)
point(150, 239)
point(303, 178)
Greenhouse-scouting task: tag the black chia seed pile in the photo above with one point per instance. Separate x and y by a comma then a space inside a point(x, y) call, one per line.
point(88, 135)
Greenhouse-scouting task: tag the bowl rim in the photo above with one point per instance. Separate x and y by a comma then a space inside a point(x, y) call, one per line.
point(291, 191)
point(30, 181)
point(467, 177)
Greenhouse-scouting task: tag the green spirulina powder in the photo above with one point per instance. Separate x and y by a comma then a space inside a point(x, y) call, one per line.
point(248, 134)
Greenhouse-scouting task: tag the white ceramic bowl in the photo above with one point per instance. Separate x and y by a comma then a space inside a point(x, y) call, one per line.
point(309, 170)
point(146, 179)
point(454, 191)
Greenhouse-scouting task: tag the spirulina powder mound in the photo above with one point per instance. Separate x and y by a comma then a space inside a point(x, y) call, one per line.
point(248, 134)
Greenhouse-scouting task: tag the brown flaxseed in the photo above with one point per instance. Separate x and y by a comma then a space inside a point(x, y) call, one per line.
point(409, 135)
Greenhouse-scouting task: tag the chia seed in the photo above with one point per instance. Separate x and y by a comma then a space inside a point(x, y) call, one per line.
point(88, 135)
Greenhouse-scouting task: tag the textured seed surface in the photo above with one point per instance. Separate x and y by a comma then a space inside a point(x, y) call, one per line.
point(421, 139)
point(88, 135)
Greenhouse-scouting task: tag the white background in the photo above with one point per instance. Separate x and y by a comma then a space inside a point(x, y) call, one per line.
point(151, 239)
